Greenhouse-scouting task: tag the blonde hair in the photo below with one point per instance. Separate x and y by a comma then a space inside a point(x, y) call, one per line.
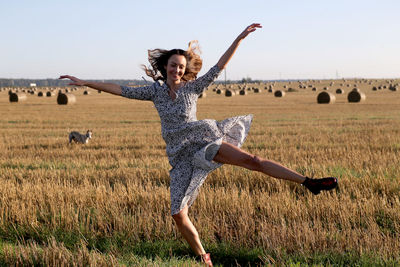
point(158, 59)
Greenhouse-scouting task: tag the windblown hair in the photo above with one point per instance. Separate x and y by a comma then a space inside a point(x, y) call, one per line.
point(158, 59)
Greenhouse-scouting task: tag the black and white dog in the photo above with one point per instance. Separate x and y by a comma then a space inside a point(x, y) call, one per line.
point(80, 138)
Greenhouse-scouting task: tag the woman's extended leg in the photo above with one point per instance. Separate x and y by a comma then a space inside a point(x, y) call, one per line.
point(233, 155)
point(230, 154)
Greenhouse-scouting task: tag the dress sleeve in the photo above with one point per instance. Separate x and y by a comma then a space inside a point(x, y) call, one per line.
point(201, 83)
point(140, 93)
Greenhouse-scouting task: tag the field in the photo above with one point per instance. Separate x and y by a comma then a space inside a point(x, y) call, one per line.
point(106, 203)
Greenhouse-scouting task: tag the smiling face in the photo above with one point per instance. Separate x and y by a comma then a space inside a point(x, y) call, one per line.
point(175, 68)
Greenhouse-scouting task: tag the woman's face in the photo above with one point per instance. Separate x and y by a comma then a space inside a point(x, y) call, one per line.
point(175, 68)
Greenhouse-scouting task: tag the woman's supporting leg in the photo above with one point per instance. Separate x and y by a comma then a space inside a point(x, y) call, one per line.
point(188, 230)
point(230, 154)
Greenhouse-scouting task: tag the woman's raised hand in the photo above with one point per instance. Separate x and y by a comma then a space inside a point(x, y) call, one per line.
point(75, 81)
point(248, 30)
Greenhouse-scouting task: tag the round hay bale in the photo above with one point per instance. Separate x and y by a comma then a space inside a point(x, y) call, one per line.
point(356, 96)
point(339, 91)
point(219, 91)
point(292, 90)
point(356, 90)
point(326, 98)
point(99, 91)
point(202, 95)
point(86, 92)
point(229, 92)
point(374, 88)
point(17, 97)
point(270, 90)
point(256, 90)
point(66, 99)
point(40, 94)
point(242, 92)
point(50, 93)
point(279, 93)
point(393, 88)
point(326, 88)
point(314, 89)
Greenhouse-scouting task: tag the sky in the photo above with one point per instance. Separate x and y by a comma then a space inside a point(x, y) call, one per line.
point(97, 39)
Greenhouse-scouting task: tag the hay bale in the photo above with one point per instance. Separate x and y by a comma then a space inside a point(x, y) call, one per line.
point(86, 92)
point(50, 93)
point(314, 89)
point(219, 91)
point(339, 91)
point(326, 88)
point(17, 97)
point(393, 88)
point(326, 98)
point(270, 90)
point(242, 92)
point(66, 99)
point(203, 95)
point(229, 93)
point(279, 93)
point(356, 96)
point(256, 90)
point(374, 88)
point(99, 91)
point(40, 94)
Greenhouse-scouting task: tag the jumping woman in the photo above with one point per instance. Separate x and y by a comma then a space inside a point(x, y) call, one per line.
point(195, 148)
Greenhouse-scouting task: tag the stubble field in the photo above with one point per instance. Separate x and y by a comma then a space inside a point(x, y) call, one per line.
point(107, 202)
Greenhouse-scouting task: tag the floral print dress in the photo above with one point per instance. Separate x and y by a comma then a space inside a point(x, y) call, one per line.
point(191, 144)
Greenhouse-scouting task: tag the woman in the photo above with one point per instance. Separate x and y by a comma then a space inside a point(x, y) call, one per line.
point(195, 148)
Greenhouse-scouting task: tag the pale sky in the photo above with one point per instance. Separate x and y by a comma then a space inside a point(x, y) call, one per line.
point(97, 39)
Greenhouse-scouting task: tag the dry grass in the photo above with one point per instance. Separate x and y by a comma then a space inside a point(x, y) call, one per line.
point(117, 185)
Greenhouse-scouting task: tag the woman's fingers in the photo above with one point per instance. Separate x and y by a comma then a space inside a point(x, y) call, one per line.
point(65, 77)
point(249, 29)
point(75, 81)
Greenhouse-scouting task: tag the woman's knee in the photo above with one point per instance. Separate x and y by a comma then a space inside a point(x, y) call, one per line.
point(255, 163)
point(180, 217)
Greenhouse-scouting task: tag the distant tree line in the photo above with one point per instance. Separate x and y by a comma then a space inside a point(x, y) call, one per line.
point(60, 83)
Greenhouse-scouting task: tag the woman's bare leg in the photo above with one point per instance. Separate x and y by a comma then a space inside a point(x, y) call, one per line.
point(188, 230)
point(230, 154)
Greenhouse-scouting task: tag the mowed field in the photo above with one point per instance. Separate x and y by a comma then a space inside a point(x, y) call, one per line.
point(106, 203)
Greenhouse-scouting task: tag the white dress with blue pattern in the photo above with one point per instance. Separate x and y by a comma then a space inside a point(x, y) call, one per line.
point(191, 144)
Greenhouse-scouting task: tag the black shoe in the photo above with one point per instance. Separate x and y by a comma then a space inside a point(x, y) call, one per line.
point(316, 185)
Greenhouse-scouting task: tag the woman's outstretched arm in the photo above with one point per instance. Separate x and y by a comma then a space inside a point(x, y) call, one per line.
point(231, 50)
point(106, 87)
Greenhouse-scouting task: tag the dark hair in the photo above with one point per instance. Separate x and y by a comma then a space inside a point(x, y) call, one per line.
point(158, 59)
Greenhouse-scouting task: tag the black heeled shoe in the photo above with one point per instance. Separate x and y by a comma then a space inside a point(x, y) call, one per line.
point(316, 185)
